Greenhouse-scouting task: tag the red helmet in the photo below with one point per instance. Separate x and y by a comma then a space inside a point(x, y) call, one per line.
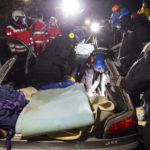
point(115, 8)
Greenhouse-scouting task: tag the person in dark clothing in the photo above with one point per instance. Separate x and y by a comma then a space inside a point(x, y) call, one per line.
point(137, 81)
point(55, 62)
point(136, 34)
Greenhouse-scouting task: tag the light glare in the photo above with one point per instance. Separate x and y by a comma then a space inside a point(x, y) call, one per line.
point(70, 6)
point(87, 21)
point(26, 1)
point(95, 27)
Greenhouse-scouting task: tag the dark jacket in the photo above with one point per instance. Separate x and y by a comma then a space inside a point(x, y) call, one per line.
point(12, 103)
point(137, 79)
point(132, 43)
point(55, 62)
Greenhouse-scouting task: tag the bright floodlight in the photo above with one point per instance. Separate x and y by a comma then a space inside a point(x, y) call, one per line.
point(70, 6)
point(87, 21)
point(95, 27)
point(26, 1)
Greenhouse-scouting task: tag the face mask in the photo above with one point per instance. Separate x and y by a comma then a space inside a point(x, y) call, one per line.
point(52, 22)
point(22, 21)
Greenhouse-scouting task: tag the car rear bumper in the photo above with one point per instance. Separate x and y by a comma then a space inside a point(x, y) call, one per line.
point(123, 143)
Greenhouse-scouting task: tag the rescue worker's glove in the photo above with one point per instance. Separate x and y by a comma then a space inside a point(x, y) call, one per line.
point(116, 80)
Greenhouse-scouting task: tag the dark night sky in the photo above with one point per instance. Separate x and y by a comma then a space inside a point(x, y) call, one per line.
point(101, 9)
point(98, 9)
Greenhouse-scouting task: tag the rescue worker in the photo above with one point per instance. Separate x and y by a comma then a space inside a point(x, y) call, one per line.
point(114, 20)
point(137, 81)
point(52, 30)
point(55, 62)
point(95, 63)
point(144, 10)
point(18, 29)
point(94, 67)
point(114, 17)
point(38, 30)
point(136, 34)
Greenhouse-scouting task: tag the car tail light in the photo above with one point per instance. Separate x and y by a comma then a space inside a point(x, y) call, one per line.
point(124, 124)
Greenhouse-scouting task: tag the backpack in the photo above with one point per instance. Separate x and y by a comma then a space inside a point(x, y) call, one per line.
point(12, 103)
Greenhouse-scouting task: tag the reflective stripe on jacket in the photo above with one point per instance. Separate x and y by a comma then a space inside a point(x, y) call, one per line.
point(17, 31)
point(38, 33)
point(52, 33)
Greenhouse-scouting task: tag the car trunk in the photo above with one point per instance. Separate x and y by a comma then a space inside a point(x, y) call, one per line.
point(102, 138)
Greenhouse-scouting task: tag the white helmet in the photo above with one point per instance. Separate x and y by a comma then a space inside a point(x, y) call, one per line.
point(16, 14)
point(53, 21)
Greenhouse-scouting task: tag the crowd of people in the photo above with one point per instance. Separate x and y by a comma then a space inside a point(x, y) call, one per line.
point(37, 36)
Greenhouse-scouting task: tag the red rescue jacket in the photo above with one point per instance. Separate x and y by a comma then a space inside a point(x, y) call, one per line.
point(20, 32)
point(39, 34)
point(52, 33)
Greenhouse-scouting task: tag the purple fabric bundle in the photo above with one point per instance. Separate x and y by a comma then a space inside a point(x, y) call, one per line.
point(12, 103)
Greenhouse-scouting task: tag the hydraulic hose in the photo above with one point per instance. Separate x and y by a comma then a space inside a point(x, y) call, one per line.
point(19, 40)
